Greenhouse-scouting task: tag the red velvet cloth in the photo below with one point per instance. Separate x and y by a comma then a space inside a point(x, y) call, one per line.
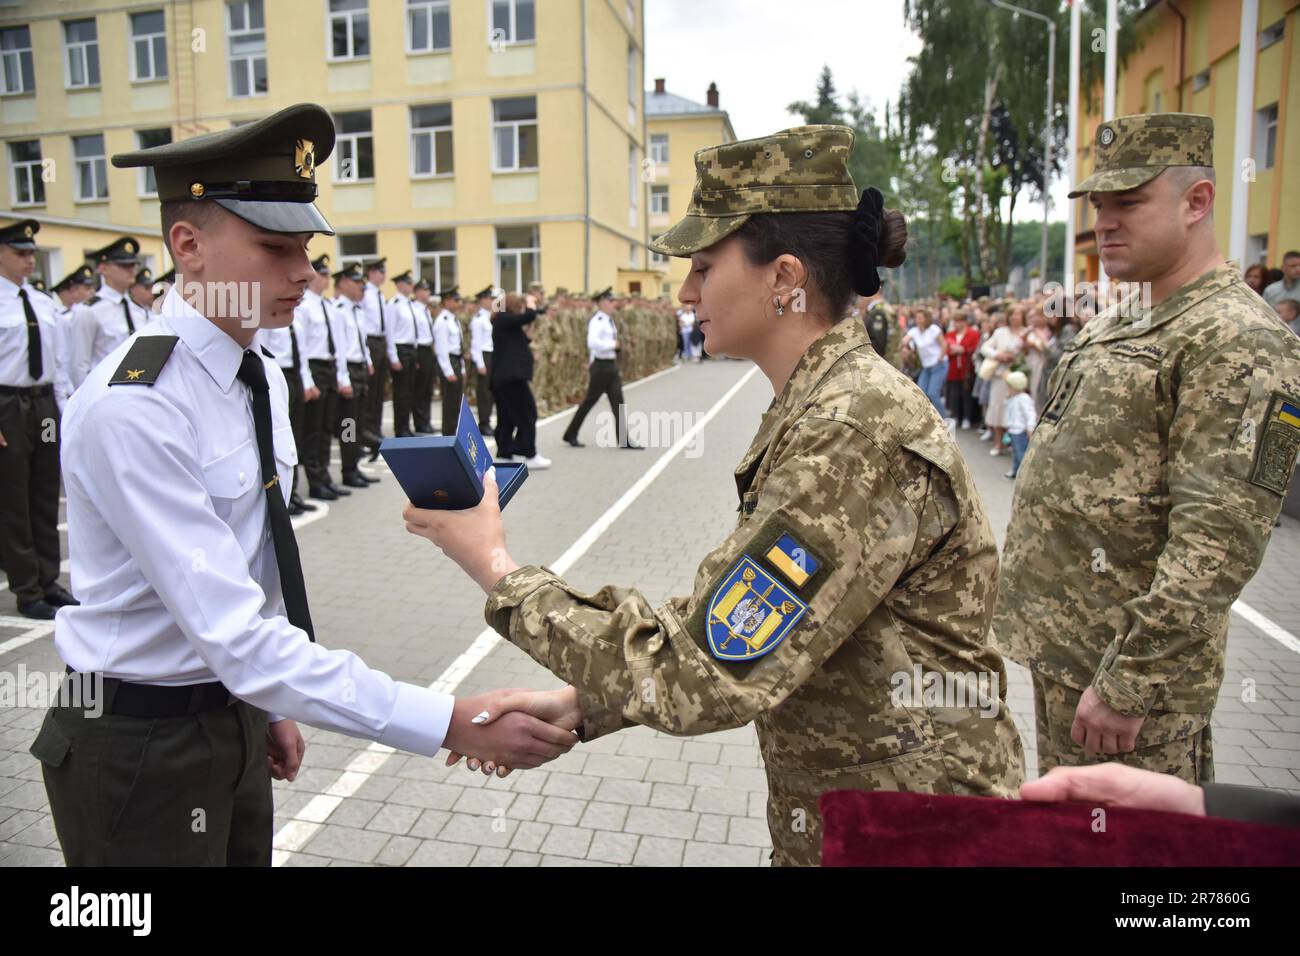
point(923, 829)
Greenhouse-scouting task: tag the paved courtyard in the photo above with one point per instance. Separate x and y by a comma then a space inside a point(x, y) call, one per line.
point(601, 515)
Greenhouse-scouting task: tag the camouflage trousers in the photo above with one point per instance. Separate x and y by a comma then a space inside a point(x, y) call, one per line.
point(1169, 742)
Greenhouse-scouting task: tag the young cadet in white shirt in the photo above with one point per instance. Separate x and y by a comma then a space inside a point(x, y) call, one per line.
point(421, 411)
point(113, 315)
point(603, 376)
point(177, 450)
point(447, 350)
point(480, 352)
point(29, 421)
point(402, 332)
point(70, 294)
point(351, 408)
point(322, 337)
point(285, 346)
point(382, 354)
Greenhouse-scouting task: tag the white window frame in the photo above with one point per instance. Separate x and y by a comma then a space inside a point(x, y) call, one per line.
point(154, 42)
point(1201, 80)
point(343, 141)
point(436, 258)
point(431, 132)
point(426, 8)
point(517, 253)
point(18, 54)
point(633, 184)
point(658, 191)
point(249, 59)
point(510, 39)
point(515, 125)
point(98, 169)
point(146, 172)
point(1266, 119)
point(660, 156)
point(80, 49)
point(657, 258)
point(351, 17)
point(29, 170)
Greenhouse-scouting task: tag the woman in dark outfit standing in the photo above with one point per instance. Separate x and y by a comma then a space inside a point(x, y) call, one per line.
point(512, 375)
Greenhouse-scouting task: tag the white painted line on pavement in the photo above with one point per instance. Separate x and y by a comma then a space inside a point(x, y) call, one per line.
point(37, 631)
point(1279, 634)
point(295, 834)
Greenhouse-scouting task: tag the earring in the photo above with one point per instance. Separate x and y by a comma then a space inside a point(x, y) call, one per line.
point(780, 309)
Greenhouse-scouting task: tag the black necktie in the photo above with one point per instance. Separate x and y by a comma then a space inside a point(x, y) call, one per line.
point(356, 320)
point(379, 297)
point(329, 332)
point(253, 374)
point(34, 364)
point(126, 310)
point(293, 342)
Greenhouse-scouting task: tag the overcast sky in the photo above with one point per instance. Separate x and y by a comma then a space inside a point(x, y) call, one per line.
point(764, 54)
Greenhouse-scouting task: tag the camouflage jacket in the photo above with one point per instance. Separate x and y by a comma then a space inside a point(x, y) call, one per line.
point(857, 510)
point(1148, 494)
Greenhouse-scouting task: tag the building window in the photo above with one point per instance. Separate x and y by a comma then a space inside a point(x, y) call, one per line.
point(519, 258)
point(147, 139)
point(1201, 80)
point(658, 200)
point(148, 46)
point(1266, 136)
point(659, 147)
point(1158, 102)
point(16, 50)
point(633, 76)
point(1272, 34)
point(657, 258)
point(1256, 250)
point(431, 153)
point(349, 30)
point(633, 184)
point(246, 38)
point(428, 25)
point(435, 257)
point(354, 147)
point(513, 21)
point(514, 133)
point(81, 53)
point(359, 248)
point(25, 161)
point(92, 170)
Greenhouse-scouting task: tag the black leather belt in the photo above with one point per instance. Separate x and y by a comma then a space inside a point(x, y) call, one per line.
point(126, 699)
point(31, 391)
point(376, 338)
point(325, 363)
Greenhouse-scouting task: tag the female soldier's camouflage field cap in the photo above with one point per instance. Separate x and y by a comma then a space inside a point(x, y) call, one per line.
point(1132, 150)
point(803, 169)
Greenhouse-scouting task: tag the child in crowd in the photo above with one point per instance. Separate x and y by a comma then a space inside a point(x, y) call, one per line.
point(1020, 418)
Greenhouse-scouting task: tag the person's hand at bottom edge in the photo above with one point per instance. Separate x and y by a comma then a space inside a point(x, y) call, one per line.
point(556, 707)
point(505, 730)
point(1117, 785)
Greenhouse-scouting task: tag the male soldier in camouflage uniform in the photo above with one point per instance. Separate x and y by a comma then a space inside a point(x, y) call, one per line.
point(882, 328)
point(1153, 480)
point(861, 569)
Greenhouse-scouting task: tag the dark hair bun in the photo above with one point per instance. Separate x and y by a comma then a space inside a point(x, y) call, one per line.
point(891, 247)
point(877, 238)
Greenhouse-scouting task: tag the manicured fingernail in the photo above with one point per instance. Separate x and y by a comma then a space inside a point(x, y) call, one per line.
point(484, 715)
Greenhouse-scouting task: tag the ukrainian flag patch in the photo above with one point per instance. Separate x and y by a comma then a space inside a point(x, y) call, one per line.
point(1289, 413)
point(793, 560)
point(750, 613)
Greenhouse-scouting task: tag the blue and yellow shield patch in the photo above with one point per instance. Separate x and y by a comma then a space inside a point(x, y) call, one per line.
point(750, 613)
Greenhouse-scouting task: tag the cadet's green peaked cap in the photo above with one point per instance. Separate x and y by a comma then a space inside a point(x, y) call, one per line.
point(1131, 150)
point(264, 172)
point(804, 169)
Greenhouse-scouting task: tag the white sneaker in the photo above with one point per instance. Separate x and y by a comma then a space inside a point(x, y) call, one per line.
point(995, 451)
point(965, 426)
point(537, 462)
point(985, 435)
point(1011, 476)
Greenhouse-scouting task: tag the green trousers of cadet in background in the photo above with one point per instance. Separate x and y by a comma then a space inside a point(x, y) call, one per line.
point(193, 790)
point(1169, 742)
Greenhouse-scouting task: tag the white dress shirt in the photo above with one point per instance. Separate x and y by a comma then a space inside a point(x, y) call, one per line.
point(101, 328)
point(13, 337)
point(279, 343)
point(423, 323)
point(352, 321)
point(401, 320)
point(480, 336)
point(602, 340)
point(318, 320)
point(375, 322)
point(64, 317)
point(171, 550)
point(446, 340)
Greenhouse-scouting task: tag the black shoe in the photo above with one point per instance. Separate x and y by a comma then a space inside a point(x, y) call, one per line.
point(485, 431)
point(434, 431)
point(341, 492)
point(295, 501)
point(323, 492)
point(59, 596)
point(368, 479)
point(370, 439)
point(355, 481)
point(294, 510)
point(574, 442)
point(39, 609)
point(374, 453)
point(633, 446)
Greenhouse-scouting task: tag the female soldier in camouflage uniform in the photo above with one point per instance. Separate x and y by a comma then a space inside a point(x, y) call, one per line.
point(862, 569)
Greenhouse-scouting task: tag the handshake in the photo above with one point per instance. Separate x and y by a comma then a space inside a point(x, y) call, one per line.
point(514, 729)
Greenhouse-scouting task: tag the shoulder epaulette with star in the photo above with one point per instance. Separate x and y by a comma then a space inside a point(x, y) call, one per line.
point(144, 361)
point(267, 352)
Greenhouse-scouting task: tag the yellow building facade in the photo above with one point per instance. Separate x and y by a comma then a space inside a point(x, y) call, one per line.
point(1187, 61)
point(479, 141)
point(676, 128)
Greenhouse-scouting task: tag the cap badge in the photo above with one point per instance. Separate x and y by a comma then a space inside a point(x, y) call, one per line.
point(27, 231)
point(129, 246)
point(197, 190)
point(1107, 136)
point(304, 158)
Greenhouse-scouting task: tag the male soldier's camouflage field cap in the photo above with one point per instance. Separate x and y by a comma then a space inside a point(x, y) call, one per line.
point(804, 169)
point(1132, 150)
point(263, 172)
